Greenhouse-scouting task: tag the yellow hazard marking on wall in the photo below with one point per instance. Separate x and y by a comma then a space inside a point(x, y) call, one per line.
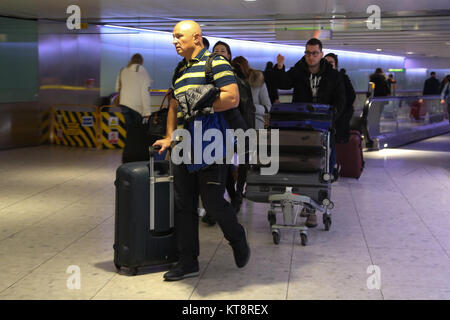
point(74, 128)
point(112, 130)
point(44, 125)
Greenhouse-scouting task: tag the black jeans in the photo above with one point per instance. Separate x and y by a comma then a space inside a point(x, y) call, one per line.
point(209, 183)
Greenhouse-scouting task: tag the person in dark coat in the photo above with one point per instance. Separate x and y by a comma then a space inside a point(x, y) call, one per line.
point(314, 80)
point(342, 124)
point(381, 85)
point(270, 83)
point(431, 86)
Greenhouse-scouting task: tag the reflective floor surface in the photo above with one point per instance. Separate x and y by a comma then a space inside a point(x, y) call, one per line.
point(389, 238)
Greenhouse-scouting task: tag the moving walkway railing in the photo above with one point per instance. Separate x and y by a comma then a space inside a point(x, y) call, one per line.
point(394, 121)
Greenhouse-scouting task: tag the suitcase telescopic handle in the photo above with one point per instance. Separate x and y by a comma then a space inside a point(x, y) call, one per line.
point(153, 180)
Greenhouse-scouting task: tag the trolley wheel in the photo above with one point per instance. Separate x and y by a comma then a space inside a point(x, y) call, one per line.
point(276, 237)
point(304, 239)
point(327, 222)
point(272, 218)
point(133, 271)
point(117, 267)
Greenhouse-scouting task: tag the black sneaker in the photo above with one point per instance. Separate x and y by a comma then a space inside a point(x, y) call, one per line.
point(180, 271)
point(208, 220)
point(241, 252)
point(336, 173)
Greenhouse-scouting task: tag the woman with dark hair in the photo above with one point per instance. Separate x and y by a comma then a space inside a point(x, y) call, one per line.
point(260, 93)
point(223, 49)
point(342, 124)
point(270, 83)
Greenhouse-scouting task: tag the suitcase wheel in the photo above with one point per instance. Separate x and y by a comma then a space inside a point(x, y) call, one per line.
point(276, 236)
point(327, 222)
point(133, 271)
point(304, 238)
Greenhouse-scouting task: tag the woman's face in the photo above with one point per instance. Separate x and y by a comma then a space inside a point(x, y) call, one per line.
point(222, 50)
point(331, 61)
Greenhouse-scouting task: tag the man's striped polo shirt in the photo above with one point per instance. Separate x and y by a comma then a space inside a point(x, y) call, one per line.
point(191, 75)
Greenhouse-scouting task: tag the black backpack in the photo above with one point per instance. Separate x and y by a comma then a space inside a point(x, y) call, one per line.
point(246, 106)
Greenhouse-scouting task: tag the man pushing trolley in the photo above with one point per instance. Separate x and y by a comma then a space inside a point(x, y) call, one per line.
point(303, 179)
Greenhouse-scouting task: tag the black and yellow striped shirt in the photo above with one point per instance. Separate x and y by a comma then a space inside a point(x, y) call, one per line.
point(191, 75)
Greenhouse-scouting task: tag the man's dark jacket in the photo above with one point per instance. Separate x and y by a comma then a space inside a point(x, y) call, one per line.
point(331, 88)
point(381, 85)
point(342, 124)
point(431, 86)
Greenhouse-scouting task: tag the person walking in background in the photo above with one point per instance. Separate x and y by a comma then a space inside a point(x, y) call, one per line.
point(445, 96)
point(133, 83)
point(392, 84)
point(444, 82)
point(224, 50)
point(205, 43)
point(431, 85)
point(247, 110)
point(381, 84)
point(270, 83)
point(259, 90)
point(342, 123)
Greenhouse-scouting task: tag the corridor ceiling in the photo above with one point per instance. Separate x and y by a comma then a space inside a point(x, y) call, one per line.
point(410, 28)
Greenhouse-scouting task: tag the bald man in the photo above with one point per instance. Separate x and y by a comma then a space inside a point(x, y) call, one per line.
point(192, 180)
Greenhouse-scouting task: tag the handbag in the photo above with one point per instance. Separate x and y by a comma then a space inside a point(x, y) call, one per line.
point(157, 121)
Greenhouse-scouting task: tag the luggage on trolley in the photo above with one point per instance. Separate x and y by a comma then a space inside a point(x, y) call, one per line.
point(303, 179)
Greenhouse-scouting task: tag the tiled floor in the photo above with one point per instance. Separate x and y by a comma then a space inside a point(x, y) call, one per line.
point(57, 210)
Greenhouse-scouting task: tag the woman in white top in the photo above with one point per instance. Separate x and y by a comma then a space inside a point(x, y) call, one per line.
point(133, 83)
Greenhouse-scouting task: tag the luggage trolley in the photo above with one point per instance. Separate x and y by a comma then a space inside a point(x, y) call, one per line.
point(290, 203)
point(291, 191)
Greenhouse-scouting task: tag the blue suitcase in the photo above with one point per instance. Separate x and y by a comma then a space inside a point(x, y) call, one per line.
point(301, 111)
point(318, 125)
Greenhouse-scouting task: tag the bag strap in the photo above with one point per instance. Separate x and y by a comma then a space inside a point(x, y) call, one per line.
point(209, 76)
point(166, 96)
point(120, 80)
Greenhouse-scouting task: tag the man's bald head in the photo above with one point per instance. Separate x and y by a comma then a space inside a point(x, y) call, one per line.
point(189, 26)
point(187, 38)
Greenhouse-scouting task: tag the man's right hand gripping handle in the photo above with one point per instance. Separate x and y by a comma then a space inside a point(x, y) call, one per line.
point(162, 145)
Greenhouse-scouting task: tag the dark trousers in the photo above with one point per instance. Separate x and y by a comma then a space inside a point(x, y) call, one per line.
point(230, 181)
point(209, 183)
point(242, 178)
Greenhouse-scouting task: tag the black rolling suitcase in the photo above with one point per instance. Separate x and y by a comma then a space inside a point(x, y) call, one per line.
point(144, 220)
